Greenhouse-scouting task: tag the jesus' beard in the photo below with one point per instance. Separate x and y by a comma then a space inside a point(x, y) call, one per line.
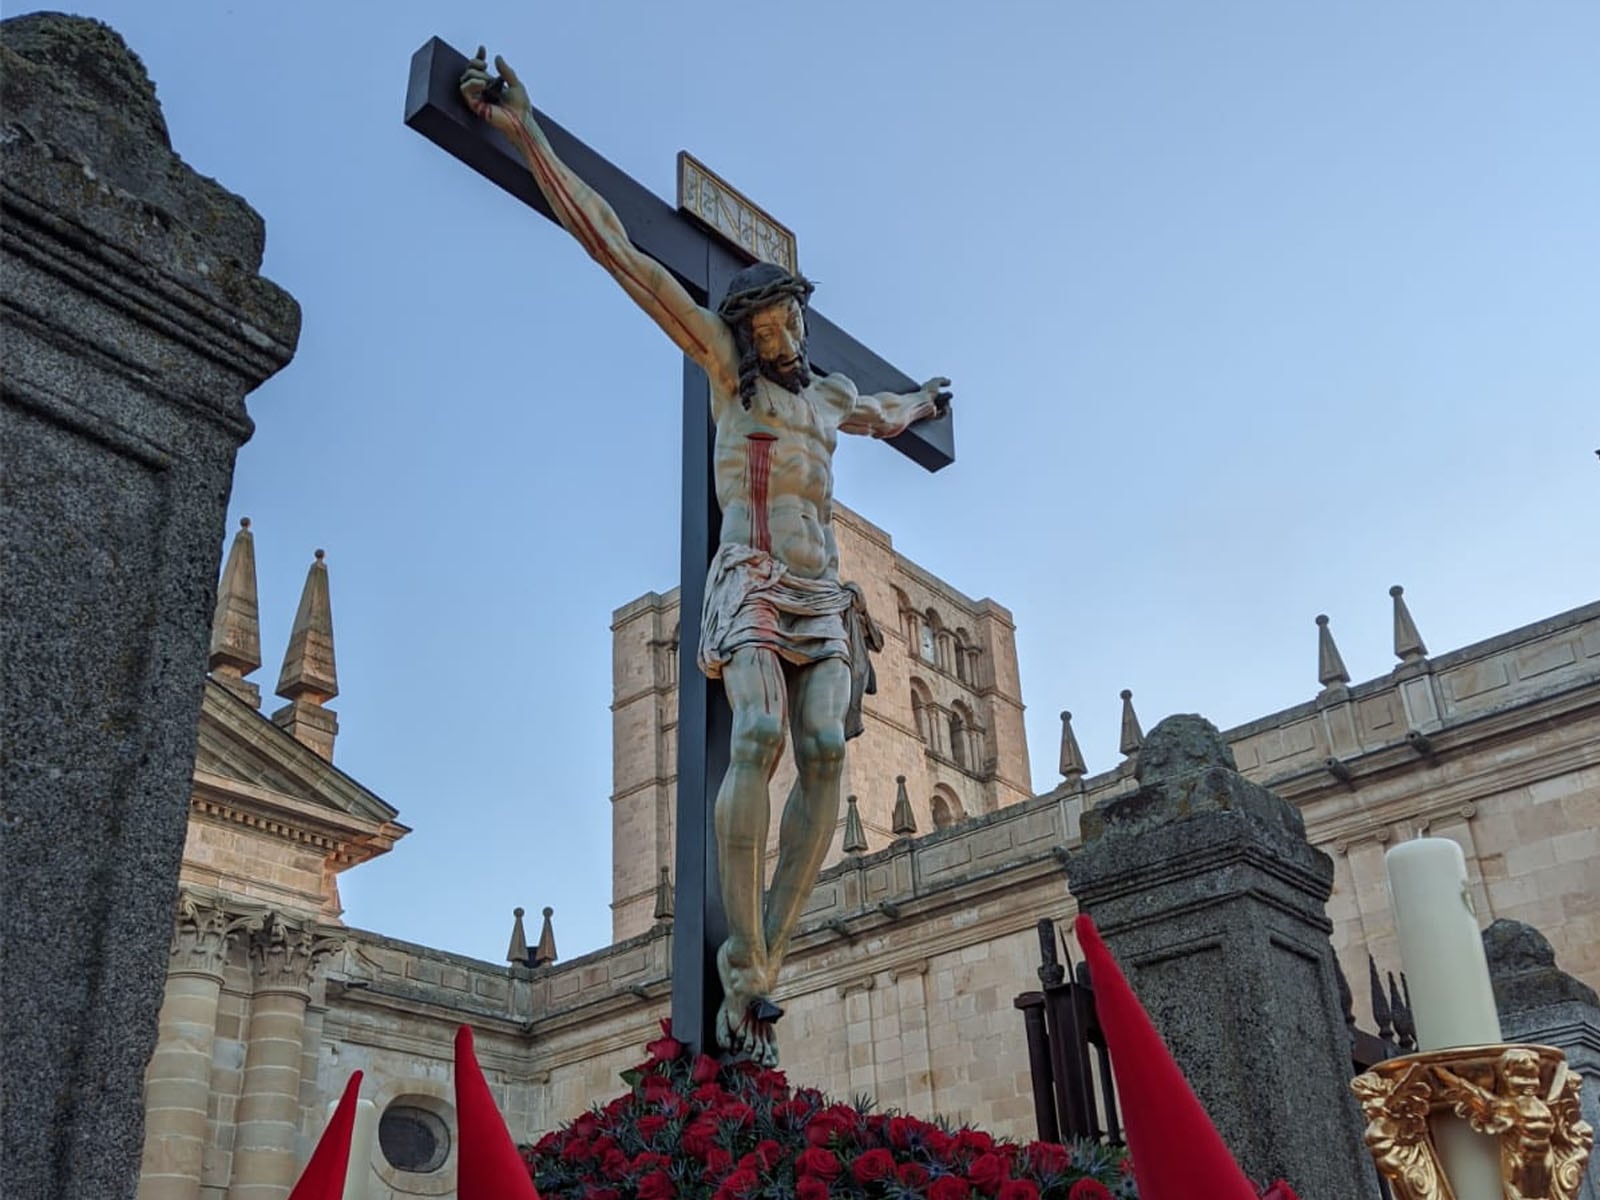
point(795, 377)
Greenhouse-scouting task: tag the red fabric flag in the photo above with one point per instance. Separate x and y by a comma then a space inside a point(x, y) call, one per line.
point(323, 1178)
point(1176, 1150)
point(488, 1166)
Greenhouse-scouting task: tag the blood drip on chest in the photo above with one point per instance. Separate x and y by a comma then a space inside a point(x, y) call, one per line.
point(758, 475)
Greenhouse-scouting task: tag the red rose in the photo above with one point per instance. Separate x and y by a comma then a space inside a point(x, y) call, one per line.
point(705, 1069)
point(735, 1112)
point(809, 1187)
point(974, 1141)
point(1047, 1158)
point(987, 1173)
point(772, 1084)
point(1018, 1189)
point(737, 1185)
point(768, 1154)
point(819, 1163)
point(647, 1161)
point(949, 1187)
point(874, 1164)
point(698, 1137)
point(576, 1150)
point(657, 1185)
point(903, 1131)
point(939, 1142)
point(912, 1175)
point(666, 1047)
point(1088, 1189)
point(824, 1127)
point(718, 1162)
point(615, 1164)
point(655, 1085)
point(790, 1113)
point(651, 1124)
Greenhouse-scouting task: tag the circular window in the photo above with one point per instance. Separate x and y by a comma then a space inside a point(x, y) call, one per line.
point(413, 1139)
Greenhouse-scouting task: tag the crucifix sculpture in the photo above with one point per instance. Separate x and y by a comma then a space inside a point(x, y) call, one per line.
point(765, 396)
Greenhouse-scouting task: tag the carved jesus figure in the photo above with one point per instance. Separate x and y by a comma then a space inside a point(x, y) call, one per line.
point(787, 638)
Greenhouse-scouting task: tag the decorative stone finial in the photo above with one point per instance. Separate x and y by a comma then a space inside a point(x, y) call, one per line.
point(664, 910)
point(1408, 645)
point(1181, 745)
point(1330, 666)
point(236, 624)
point(517, 952)
point(1522, 967)
point(855, 837)
point(904, 823)
point(1132, 735)
point(309, 679)
point(545, 953)
point(308, 667)
point(1072, 764)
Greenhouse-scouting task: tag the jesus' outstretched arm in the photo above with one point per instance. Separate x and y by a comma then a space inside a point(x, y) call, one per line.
point(698, 332)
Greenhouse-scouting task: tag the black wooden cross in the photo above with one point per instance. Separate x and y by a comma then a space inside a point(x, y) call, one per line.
point(703, 262)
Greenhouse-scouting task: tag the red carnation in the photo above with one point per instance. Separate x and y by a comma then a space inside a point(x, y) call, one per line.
point(615, 1164)
point(718, 1161)
point(819, 1163)
point(1088, 1189)
point(704, 1070)
point(768, 1154)
point(698, 1137)
point(874, 1164)
point(651, 1124)
point(987, 1173)
point(949, 1187)
point(1018, 1189)
point(657, 1185)
point(735, 1112)
point(809, 1187)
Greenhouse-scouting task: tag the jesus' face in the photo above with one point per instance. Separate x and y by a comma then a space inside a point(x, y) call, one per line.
point(779, 336)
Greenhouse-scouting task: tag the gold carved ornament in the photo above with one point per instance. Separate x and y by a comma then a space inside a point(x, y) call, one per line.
point(1525, 1096)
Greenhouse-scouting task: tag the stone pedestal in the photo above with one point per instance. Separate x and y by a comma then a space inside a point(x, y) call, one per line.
point(1541, 1003)
point(135, 323)
point(1209, 895)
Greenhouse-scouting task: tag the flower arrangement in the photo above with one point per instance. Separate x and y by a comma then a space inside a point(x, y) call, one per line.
point(699, 1129)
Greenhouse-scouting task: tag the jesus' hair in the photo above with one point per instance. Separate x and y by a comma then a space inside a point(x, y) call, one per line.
point(757, 287)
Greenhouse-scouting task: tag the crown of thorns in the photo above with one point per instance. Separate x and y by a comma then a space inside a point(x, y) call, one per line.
point(737, 305)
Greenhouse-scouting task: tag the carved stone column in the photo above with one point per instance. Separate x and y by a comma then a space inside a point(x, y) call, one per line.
point(178, 1080)
point(283, 957)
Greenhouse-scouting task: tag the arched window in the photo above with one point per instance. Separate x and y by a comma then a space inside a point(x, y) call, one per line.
point(920, 711)
point(927, 635)
point(958, 738)
point(947, 810)
point(962, 655)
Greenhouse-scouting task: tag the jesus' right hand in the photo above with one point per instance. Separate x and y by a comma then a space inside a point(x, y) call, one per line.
point(504, 106)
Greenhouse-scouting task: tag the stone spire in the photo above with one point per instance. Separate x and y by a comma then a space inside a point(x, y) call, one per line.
point(1132, 735)
point(517, 952)
point(236, 625)
point(1330, 666)
point(308, 679)
point(1408, 645)
point(665, 909)
point(855, 837)
point(545, 953)
point(904, 821)
point(1072, 765)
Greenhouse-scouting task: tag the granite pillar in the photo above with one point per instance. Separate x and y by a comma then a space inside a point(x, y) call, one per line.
point(135, 324)
point(1209, 895)
point(265, 1161)
point(1541, 1003)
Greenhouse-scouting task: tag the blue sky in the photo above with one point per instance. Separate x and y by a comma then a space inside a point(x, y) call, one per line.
point(1252, 308)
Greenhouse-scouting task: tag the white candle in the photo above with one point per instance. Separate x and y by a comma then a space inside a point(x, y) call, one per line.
point(363, 1137)
point(1452, 1000)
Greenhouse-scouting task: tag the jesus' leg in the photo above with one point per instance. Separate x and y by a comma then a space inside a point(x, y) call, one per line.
point(756, 692)
point(820, 696)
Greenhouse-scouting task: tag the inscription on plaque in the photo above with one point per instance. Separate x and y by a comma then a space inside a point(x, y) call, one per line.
point(708, 198)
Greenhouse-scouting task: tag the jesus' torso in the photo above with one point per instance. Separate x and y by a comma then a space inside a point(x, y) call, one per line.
point(773, 465)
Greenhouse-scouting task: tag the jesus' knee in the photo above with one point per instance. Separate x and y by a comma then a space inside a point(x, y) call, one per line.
point(756, 740)
point(820, 751)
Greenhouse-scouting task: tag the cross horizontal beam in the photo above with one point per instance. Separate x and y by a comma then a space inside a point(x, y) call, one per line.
point(434, 108)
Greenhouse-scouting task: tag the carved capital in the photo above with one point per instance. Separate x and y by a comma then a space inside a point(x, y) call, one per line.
point(285, 954)
point(203, 933)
